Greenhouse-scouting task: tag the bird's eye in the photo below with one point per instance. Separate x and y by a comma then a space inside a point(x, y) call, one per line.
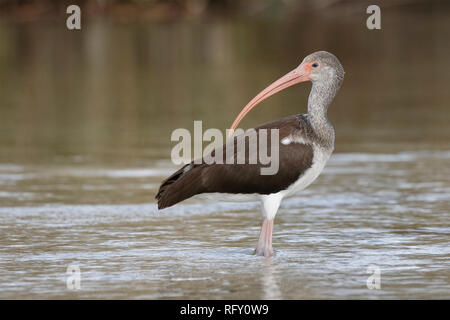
point(315, 65)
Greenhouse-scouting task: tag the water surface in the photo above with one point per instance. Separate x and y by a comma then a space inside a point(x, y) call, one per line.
point(85, 132)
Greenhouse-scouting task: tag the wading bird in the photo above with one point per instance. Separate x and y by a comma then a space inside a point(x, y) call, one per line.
point(306, 142)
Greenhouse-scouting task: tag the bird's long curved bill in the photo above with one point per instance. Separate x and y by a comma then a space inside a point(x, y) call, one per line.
point(297, 75)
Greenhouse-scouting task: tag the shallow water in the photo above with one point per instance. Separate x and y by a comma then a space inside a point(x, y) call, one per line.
point(325, 239)
point(85, 142)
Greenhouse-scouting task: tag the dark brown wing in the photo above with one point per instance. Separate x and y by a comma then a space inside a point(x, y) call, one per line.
point(294, 159)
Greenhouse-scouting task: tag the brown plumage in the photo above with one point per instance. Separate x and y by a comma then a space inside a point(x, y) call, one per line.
point(294, 159)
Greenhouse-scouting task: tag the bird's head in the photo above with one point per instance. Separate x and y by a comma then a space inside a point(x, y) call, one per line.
point(320, 66)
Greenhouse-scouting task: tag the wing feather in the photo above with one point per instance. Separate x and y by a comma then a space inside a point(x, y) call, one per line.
point(294, 159)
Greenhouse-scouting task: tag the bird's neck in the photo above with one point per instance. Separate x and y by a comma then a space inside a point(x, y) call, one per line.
point(322, 93)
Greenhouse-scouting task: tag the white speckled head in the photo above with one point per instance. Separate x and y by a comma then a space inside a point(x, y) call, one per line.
point(324, 66)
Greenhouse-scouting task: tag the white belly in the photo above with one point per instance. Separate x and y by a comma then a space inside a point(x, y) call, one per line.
point(272, 201)
point(320, 159)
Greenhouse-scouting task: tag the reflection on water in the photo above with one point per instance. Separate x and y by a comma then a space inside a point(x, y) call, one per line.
point(85, 141)
point(388, 210)
point(271, 289)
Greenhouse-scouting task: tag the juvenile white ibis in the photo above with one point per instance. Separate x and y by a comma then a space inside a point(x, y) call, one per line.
point(306, 142)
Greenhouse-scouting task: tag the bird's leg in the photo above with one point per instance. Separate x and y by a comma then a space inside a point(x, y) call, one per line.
point(270, 204)
point(264, 247)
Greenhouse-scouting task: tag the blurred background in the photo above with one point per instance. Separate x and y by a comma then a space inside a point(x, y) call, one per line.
point(139, 69)
point(85, 123)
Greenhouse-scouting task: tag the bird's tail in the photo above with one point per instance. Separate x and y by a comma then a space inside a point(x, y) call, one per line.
point(180, 186)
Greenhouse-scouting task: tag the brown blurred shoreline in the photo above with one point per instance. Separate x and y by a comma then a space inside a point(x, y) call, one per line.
point(129, 11)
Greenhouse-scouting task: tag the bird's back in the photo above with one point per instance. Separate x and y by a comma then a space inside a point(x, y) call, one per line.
point(295, 156)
